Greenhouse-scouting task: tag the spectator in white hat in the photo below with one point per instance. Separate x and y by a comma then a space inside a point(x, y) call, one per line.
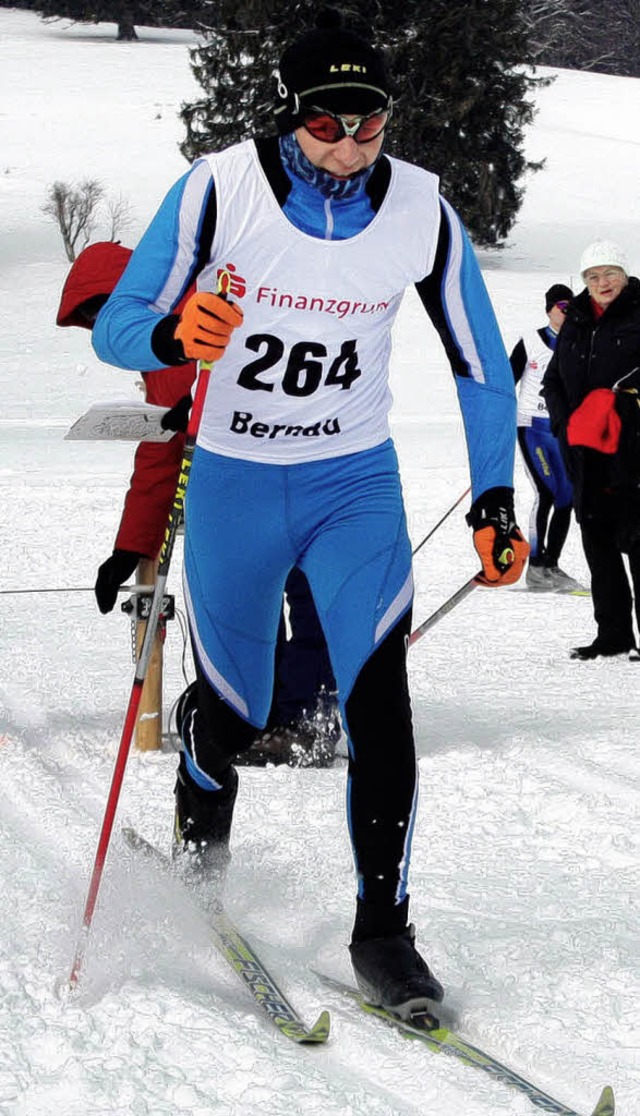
point(591, 390)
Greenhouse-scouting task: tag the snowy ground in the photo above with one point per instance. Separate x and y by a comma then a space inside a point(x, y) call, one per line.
point(525, 867)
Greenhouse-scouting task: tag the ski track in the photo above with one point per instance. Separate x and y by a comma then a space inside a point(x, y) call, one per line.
point(125, 1020)
point(529, 775)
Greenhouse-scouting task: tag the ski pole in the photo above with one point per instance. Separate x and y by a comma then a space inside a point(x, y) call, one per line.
point(441, 521)
point(166, 552)
point(503, 562)
point(454, 600)
point(78, 589)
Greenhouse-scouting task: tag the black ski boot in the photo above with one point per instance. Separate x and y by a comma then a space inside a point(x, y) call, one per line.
point(302, 744)
point(391, 974)
point(202, 825)
point(601, 649)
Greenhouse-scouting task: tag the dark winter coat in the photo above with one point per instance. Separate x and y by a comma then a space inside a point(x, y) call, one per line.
point(594, 354)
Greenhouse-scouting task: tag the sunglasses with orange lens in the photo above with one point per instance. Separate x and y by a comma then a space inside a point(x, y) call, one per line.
point(330, 127)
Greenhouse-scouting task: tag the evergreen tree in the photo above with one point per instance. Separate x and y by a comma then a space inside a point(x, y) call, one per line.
point(124, 13)
point(461, 93)
point(463, 104)
point(236, 67)
point(600, 35)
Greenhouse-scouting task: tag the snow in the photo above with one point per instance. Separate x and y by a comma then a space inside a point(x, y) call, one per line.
point(525, 865)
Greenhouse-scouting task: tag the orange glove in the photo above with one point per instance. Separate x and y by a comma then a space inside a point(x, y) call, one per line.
point(206, 324)
point(497, 538)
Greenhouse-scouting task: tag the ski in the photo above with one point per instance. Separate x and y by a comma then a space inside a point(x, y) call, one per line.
point(440, 1039)
point(244, 961)
point(551, 592)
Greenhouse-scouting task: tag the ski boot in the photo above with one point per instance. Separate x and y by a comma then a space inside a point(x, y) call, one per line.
point(391, 974)
point(202, 825)
point(562, 583)
point(539, 580)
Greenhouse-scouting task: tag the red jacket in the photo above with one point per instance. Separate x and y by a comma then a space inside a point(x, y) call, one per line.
point(156, 464)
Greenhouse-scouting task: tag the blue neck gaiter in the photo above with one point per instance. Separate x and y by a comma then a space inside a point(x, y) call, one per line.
point(296, 163)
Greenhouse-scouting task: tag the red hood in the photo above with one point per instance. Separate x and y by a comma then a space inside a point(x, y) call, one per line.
point(95, 272)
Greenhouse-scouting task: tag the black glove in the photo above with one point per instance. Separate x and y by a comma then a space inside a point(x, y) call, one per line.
point(497, 538)
point(112, 574)
point(178, 417)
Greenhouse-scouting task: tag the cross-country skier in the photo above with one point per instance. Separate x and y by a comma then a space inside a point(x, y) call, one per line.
point(321, 234)
point(551, 511)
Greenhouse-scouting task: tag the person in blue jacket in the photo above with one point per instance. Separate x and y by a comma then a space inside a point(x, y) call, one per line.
point(315, 233)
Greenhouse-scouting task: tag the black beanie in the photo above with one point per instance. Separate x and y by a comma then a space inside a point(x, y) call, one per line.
point(330, 68)
point(557, 293)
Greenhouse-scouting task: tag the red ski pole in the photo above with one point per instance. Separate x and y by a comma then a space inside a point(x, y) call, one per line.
point(166, 552)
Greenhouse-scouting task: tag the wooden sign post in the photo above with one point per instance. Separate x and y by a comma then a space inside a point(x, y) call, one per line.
point(149, 724)
point(129, 421)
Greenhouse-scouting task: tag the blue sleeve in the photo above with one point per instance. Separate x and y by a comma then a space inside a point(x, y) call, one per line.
point(166, 262)
point(456, 299)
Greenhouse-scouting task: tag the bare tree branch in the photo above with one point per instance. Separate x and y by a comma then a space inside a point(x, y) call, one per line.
point(119, 216)
point(74, 211)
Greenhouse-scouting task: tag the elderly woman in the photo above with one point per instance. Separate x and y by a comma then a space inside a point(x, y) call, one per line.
point(591, 391)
